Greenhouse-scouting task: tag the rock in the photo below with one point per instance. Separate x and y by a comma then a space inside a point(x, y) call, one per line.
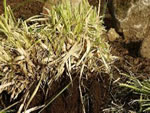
point(132, 18)
point(112, 35)
point(145, 48)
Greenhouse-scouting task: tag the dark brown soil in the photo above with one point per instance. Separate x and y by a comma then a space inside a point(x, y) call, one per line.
point(23, 10)
point(96, 91)
point(130, 59)
point(130, 62)
point(95, 96)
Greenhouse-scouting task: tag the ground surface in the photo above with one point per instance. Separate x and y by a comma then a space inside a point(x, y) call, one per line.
point(23, 10)
point(97, 94)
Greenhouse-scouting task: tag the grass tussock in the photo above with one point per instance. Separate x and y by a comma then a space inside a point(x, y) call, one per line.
point(142, 88)
point(68, 41)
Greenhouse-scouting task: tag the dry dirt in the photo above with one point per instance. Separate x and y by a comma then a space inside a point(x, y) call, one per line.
point(97, 94)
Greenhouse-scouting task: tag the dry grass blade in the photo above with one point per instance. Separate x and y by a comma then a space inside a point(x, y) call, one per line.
point(33, 109)
point(7, 108)
point(81, 97)
point(5, 85)
point(23, 103)
point(56, 96)
point(34, 93)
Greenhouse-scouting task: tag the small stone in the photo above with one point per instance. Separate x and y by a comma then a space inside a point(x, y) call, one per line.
point(112, 35)
point(145, 48)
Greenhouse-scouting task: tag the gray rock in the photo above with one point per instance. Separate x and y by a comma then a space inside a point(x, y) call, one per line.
point(132, 17)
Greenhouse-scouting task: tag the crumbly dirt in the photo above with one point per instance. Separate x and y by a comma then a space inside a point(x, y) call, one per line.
point(21, 10)
point(96, 91)
point(130, 59)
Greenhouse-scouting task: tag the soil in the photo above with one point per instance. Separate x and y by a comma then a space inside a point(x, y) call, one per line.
point(23, 10)
point(97, 91)
point(130, 59)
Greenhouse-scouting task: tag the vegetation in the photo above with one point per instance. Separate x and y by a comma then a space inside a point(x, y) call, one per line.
point(66, 41)
point(142, 88)
point(41, 49)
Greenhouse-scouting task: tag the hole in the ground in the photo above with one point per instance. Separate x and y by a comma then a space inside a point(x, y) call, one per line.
point(133, 48)
point(108, 23)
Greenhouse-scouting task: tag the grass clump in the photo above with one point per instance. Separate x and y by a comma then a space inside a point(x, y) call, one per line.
point(142, 88)
point(68, 41)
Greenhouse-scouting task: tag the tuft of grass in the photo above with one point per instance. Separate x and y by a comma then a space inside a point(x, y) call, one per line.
point(143, 89)
point(67, 40)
